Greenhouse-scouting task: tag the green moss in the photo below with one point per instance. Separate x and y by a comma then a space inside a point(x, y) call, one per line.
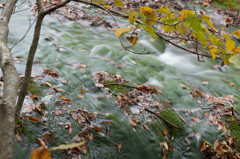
point(224, 3)
point(233, 126)
point(35, 88)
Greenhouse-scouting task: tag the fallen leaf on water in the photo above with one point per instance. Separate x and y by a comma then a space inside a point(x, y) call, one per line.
point(204, 82)
point(48, 84)
point(59, 90)
point(34, 96)
point(97, 128)
point(83, 91)
point(32, 119)
point(119, 146)
point(145, 127)
point(41, 152)
point(18, 137)
point(165, 132)
point(68, 146)
point(231, 84)
point(195, 119)
point(58, 112)
point(202, 147)
point(183, 86)
point(91, 137)
point(133, 122)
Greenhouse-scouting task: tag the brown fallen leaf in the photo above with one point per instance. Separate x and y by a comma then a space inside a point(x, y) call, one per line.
point(69, 127)
point(33, 119)
point(133, 122)
point(34, 96)
point(18, 137)
point(145, 127)
point(39, 110)
point(83, 91)
point(231, 84)
point(58, 112)
point(183, 86)
point(119, 146)
point(202, 147)
point(41, 152)
point(45, 137)
point(97, 128)
point(195, 119)
point(91, 137)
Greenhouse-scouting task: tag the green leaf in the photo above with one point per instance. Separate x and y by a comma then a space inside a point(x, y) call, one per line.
point(168, 28)
point(150, 31)
point(69, 146)
point(235, 59)
point(120, 31)
point(118, 3)
point(195, 23)
point(202, 38)
point(163, 9)
point(132, 17)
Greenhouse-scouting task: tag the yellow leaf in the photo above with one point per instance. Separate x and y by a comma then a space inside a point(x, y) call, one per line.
point(236, 50)
point(168, 28)
point(230, 44)
point(120, 31)
point(69, 146)
point(213, 51)
point(188, 12)
point(107, 6)
point(226, 60)
point(163, 9)
point(150, 14)
point(236, 33)
point(118, 3)
point(182, 28)
point(132, 17)
point(48, 84)
point(182, 16)
point(207, 20)
point(133, 39)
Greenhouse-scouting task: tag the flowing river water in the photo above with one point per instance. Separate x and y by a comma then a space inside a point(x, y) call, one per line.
point(69, 44)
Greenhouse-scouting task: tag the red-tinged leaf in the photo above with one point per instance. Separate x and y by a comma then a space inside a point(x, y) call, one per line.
point(42, 105)
point(34, 96)
point(83, 91)
point(47, 71)
point(165, 132)
point(41, 152)
point(58, 112)
point(133, 122)
point(57, 102)
point(195, 119)
point(119, 147)
point(202, 147)
point(206, 114)
point(145, 127)
point(231, 84)
point(59, 90)
point(33, 119)
point(91, 137)
point(230, 8)
point(97, 128)
point(61, 96)
point(183, 86)
point(67, 100)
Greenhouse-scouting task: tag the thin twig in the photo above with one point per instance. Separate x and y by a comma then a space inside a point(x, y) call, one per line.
point(159, 116)
point(180, 117)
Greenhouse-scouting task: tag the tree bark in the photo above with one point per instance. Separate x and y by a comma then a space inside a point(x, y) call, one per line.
point(10, 91)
